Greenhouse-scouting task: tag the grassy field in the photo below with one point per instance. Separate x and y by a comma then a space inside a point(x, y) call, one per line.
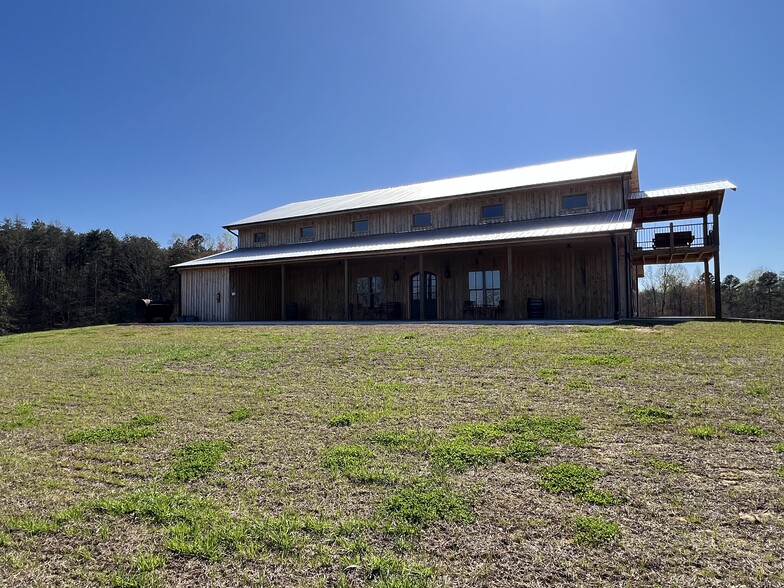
point(393, 455)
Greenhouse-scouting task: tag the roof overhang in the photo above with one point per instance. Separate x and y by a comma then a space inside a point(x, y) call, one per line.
point(558, 228)
point(678, 202)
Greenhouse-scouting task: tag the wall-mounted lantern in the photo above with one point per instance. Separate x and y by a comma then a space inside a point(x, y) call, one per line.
point(395, 276)
point(447, 273)
point(217, 298)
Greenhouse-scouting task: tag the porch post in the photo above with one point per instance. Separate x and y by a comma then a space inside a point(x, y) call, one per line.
point(510, 282)
point(616, 294)
point(716, 267)
point(421, 287)
point(707, 288)
point(282, 292)
point(345, 288)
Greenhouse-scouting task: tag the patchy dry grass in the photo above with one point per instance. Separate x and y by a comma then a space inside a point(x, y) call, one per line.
point(393, 455)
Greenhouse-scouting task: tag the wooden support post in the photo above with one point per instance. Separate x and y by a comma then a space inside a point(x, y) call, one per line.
point(627, 270)
point(616, 294)
point(510, 282)
point(705, 274)
point(421, 287)
point(716, 267)
point(345, 289)
point(705, 232)
point(282, 292)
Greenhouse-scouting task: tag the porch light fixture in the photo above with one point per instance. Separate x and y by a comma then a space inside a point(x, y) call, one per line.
point(395, 276)
point(447, 273)
point(217, 298)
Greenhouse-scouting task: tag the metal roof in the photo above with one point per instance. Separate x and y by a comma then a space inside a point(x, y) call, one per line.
point(582, 168)
point(581, 225)
point(686, 190)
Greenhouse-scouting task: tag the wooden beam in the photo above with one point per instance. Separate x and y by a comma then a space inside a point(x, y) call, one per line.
point(282, 292)
point(345, 289)
point(421, 287)
point(510, 282)
point(716, 266)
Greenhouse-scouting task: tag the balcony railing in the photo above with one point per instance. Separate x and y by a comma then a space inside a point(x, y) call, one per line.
point(674, 236)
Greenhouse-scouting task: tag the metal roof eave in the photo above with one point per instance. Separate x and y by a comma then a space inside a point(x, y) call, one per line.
point(558, 228)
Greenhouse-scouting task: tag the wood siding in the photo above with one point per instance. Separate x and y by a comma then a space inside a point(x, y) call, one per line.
point(199, 289)
point(463, 211)
point(574, 278)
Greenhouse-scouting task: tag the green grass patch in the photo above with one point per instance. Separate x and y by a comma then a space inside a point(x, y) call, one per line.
point(564, 430)
point(196, 460)
point(779, 447)
point(21, 416)
point(650, 415)
point(139, 427)
point(758, 389)
point(239, 414)
point(412, 439)
point(745, 429)
point(355, 462)
point(663, 465)
point(705, 432)
point(425, 500)
point(604, 360)
point(577, 480)
point(460, 454)
point(593, 531)
point(351, 417)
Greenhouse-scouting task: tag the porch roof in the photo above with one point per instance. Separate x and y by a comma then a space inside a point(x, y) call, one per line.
point(678, 202)
point(581, 225)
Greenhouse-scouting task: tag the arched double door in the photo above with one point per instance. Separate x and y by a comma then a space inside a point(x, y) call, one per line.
point(428, 293)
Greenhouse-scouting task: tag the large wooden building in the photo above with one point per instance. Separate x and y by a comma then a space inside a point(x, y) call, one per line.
point(561, 240)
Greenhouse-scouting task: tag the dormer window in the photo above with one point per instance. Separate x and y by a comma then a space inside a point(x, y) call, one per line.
point(574, 201)
point(260, 238)
point(493, 212)
point(422, 219)
point(360, 226)
point(307, 233)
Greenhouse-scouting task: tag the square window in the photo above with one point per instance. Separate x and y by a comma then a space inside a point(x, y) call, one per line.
point(260, 237)
point(422, 219)
point(574, 201)
point(307, 232)
point(360, 226)
point(492, 211)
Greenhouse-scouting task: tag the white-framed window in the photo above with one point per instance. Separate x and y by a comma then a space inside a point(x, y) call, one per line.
point(493, 211)
point(574, 202)
point(484, 287)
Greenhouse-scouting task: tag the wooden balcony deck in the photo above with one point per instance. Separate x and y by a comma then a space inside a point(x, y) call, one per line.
point(675, 243)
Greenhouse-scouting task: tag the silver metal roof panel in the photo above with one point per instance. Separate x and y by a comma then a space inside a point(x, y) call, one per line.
point(686, 190)
point(582, 168)
point(546, 228)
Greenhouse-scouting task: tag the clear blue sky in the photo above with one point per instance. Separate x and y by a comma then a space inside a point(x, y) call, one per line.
point(162, 117)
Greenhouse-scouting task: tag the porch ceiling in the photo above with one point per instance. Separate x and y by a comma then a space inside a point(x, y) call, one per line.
point(564, 227)
point(679, 202)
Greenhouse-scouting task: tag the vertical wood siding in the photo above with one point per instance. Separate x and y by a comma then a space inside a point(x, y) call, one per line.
point(200, 289)
point(465, 211)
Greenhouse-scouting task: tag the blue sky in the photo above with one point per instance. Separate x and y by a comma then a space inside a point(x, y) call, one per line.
point(163, 117)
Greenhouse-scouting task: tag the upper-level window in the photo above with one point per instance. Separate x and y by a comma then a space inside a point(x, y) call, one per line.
point(573, 201)
point(422, 219)
point(307, 232)
point(492, 211)
point(360, 226)
point(260, 237)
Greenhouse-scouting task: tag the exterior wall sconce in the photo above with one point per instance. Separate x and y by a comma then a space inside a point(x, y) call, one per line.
point(217, 297)
point(233, 292)
point(395, 276)
point(447, 273)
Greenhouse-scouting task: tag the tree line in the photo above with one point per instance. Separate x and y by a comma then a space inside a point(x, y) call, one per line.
point(53, 277)
point(668, 290)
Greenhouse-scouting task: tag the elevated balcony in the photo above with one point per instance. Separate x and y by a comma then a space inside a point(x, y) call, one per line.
point(673, 243)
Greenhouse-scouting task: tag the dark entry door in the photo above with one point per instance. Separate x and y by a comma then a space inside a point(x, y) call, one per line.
point(431, 304)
